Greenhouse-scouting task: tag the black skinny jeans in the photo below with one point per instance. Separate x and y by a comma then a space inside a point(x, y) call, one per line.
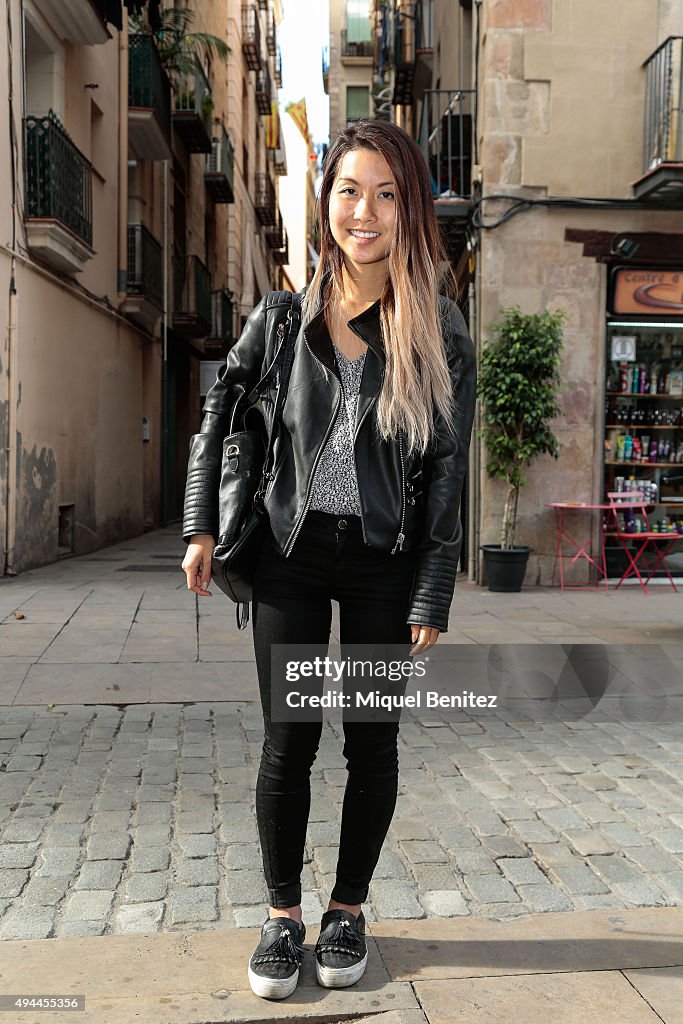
point(292, 605)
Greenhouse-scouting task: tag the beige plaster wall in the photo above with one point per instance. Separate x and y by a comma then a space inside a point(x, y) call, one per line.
point(563, 86)
point(79, 422)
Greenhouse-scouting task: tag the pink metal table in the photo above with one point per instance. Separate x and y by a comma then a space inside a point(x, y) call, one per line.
point(580, 550)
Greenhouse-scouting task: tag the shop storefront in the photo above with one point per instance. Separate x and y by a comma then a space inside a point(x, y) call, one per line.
point(643, 433)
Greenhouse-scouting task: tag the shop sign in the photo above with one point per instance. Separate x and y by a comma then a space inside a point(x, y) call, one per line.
point(650, 292)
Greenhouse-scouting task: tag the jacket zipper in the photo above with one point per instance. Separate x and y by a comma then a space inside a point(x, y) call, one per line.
point(309, 489)
point(401, 536)
point(355, 438)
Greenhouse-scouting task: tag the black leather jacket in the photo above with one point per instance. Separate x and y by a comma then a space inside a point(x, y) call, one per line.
point(417, 497)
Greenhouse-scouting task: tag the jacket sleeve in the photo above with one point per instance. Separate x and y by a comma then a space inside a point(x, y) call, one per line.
point(241, 372)
point(441, 540)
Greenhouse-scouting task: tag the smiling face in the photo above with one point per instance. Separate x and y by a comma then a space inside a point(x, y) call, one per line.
point(362, 207)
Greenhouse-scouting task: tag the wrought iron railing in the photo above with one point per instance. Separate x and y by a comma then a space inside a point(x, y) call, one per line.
point(263, 91)
point(145, 265)
point(275, 234)
point(360, 48)
point(278, 68)
point(412, 30)
point(445, 137)
point(221, 159)
point(221, 315)
point(271, 42)
point(251, 36)
point(264, 201)
point(192, 95)
point(663, 129)
point(191, 288)
point(58, 176)
point(281, 255)
point(148, 84)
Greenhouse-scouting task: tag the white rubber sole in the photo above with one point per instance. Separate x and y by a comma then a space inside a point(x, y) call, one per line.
point(272, 988)
point(340, 977)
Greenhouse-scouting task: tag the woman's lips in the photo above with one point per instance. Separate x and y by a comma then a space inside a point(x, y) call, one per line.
point(363, 241)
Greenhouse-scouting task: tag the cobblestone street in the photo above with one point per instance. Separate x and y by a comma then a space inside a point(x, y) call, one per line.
point(129, 745)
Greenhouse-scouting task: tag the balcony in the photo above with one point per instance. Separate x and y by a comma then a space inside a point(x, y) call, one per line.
point(280, 160)
point(145, 286)
point(357, 51)
point(445, 137)
point(271, 42)
point(149, 101)
point(326, 69)
point(58, 203)
point(662, 178)
point(275, 233)
point(278, 69)
point(220, 333)
point(191, 297)
point(193, 112)
point(251, 37)
point(219, 170)
point(413, 53)
point(281, 255)
point(264, 202)
point(264, 91)
point(78, 22)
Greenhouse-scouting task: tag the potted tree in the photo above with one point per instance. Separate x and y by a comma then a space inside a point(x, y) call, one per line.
point(518, 386)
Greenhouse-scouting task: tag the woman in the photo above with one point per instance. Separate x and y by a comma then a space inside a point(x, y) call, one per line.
point(363, 509)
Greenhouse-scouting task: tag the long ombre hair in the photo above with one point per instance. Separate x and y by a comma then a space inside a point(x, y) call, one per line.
point(417, 382)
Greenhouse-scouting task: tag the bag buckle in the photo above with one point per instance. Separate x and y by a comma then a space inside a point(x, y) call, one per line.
point(232, 453)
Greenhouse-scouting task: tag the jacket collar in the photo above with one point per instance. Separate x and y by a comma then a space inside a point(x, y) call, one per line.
point(366, 325)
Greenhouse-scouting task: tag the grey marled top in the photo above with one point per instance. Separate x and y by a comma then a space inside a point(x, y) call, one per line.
point(335, 488)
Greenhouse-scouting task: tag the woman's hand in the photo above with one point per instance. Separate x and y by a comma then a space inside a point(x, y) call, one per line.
point(197, 563)
point(423, 637)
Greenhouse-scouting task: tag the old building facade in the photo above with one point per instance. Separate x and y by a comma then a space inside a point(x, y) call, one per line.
point(140, 227)
point(552, 134)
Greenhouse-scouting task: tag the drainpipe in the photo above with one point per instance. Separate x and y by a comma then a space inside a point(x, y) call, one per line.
point(473, 467)
point(122, 263)
point(164, 353)
point(11, 446)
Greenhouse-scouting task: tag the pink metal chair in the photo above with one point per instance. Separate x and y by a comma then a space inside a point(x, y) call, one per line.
point(645, 547)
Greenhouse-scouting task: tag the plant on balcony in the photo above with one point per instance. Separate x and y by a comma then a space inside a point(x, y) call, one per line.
point(179, 48)
point(519, 382)
point(207, 108)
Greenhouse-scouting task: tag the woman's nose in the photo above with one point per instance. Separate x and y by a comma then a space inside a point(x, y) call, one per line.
point(364, 208)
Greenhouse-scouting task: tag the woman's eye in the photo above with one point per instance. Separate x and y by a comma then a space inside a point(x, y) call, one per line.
point(349, 188)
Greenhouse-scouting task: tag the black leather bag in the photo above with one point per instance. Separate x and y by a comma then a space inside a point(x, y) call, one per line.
point(245, 473)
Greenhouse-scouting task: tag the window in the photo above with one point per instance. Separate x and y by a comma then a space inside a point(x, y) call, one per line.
point(358, 23)
point(357, 102)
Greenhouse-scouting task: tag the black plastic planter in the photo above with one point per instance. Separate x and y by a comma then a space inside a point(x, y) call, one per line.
point(505, 567)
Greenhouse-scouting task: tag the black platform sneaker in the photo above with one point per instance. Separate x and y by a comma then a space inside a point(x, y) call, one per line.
point(341, 954)
point(274, 964)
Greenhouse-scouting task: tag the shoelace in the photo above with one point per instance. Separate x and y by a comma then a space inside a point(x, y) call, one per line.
point(283, 948)
point(343, 940)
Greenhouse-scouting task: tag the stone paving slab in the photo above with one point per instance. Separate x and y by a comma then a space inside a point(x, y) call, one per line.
point(189, 978)
point(604, 996)
point(470, 947)
point(663, 989)
point(572, 969)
